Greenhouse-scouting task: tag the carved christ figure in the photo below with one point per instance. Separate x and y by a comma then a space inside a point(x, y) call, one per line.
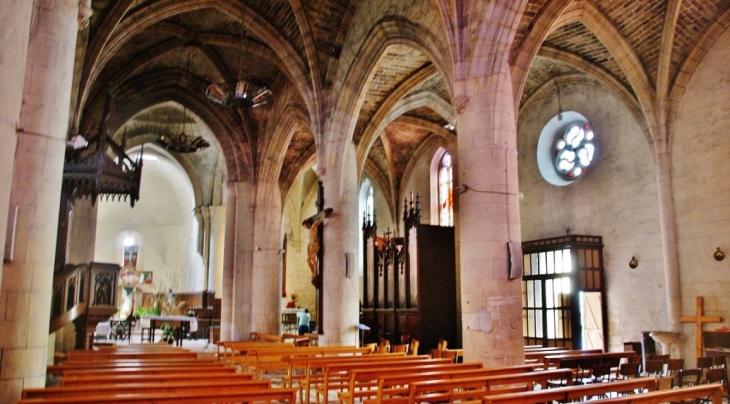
point(313, 248)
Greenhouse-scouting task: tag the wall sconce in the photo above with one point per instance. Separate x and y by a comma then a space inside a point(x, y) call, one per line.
point(633, 263)
point(719, 255)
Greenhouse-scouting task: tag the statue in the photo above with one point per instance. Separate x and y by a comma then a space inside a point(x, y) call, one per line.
point(313, 247)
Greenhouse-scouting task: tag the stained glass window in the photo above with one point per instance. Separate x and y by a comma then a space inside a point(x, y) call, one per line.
point(446, 191)
point(574, 150)
point(369, 204)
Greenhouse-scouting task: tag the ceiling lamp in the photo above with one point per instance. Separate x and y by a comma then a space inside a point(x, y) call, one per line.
point(183, 142)
point(246, 94)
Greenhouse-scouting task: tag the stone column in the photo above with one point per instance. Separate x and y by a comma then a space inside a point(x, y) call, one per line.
point(206, 246)
point(487, 162)
point(237, 300)
point(668, 226)
point(14, 29)
point(25, 297)
point(340, 293)
point(229, 261)
point(266, 269)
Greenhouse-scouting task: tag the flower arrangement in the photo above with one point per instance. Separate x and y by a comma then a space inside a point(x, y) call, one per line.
point(293, 303)
point(168, 333)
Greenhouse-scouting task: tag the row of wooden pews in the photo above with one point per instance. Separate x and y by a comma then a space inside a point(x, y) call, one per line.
point(149, 373)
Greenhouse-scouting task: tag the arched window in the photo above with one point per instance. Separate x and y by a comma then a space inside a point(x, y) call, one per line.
point(446, 191)
point(369, 203)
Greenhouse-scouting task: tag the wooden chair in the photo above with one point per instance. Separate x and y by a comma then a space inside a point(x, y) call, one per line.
point(601, 373)
point(716, 375)
point(703, 364)
point(689, 377)
point(718, 361)
point(663, 358)
point(372, 346)
point(567, 364)
point(614, 363)
point(654, 368)
point(585, 370)
point(400, 348)
point(442, 344)
point(382, 349)
point(145, 331)
point(449, 354)
point(628, 370)
point(413, 347)
point(634, 359)
point(673, 368)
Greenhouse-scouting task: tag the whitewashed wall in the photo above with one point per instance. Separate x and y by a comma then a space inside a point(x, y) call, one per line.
point(165, 227)
point(616, 200)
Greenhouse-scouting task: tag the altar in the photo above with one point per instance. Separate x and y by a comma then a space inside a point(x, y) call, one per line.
point(182, 325)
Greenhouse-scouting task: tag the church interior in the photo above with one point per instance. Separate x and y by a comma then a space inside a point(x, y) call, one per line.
point(493, 173)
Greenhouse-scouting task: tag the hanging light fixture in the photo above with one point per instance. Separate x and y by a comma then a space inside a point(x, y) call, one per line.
point(183, 142)
point(246, 94)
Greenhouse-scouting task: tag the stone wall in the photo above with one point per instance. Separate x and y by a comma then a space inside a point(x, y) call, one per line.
point(700, 168)
point(616, 200)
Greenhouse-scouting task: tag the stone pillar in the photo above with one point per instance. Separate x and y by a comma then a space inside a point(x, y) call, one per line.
point(218, 231)
point(487, 161)
point(229, 261)
point(341, 230)
point(25, 297)
point(206, 246)
point(14, 29)
point(266, 269)
point(238, 284)
point(668, 226)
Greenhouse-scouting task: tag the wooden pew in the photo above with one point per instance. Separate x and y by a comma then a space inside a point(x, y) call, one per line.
point(337, 375)
point(572, 393)
point(713, 392)
point(316, 369)
point(299, 367)
point(393, 385)
point(150, 386)
point(125, 363)
point(95, 355)
point(554, 360)
point(542, 354)
point(139, 347)
point(474, 388)
point(280, 359)
point(148, 372)
point(175, 397)
point(364, 382)
point(164, 378)
point(240, 347)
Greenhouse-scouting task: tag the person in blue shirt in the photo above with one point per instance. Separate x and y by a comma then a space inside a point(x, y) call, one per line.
point(303, 319)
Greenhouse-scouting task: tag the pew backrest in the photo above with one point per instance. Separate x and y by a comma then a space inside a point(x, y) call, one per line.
point(573, 393)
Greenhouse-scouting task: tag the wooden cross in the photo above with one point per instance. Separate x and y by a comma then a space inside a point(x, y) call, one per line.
point(699, 319)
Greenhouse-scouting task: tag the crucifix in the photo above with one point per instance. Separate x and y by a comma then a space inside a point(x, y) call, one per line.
point(315, 250)
point(699, 319)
